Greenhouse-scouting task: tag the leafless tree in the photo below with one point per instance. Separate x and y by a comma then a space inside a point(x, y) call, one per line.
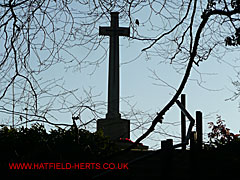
point(201, 28)
point(36, 35)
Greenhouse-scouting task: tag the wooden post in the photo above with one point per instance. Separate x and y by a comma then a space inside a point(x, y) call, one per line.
point(193, 139)
point(167, 155)
point(167, 145)
point(199, 129)
point(183, 122)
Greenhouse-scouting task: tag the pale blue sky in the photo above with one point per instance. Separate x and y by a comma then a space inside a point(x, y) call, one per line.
point(137, 84)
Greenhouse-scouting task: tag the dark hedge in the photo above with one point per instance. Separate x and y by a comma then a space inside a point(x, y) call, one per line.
point(36, 143)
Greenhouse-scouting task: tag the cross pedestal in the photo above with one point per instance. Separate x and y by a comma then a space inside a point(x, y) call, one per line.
point(113, 126)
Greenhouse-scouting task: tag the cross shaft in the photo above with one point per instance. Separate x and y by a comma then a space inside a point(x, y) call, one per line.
point(114, 31)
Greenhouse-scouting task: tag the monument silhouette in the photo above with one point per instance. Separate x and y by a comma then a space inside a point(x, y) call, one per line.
point(113, 125)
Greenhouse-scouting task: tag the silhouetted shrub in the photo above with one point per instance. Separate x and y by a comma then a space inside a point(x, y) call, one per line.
point(36, 143)
point(221, 138)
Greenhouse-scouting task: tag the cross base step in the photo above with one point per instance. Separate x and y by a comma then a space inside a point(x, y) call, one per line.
point(114, 128)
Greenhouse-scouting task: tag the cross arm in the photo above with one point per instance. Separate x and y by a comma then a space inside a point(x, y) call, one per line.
point(103, 31)
point(123, 31)
point(120, 31)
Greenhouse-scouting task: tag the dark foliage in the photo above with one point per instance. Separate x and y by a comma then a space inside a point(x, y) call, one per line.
point(234, 40)
point(37, 144)
point(221, 138)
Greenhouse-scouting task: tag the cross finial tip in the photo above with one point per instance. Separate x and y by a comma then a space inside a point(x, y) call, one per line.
point(114, 13)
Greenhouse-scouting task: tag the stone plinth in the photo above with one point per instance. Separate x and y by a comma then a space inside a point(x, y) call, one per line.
point(114, 128)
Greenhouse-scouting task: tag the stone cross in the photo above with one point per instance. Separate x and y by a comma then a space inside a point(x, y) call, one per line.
point(114, 31)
